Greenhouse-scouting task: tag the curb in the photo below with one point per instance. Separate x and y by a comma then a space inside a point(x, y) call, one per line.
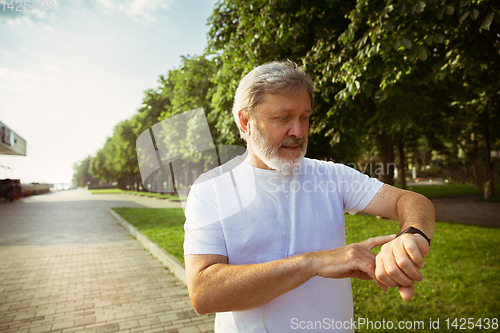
point(168, 260)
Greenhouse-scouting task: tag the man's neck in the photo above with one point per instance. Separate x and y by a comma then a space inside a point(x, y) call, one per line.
point(254, 160)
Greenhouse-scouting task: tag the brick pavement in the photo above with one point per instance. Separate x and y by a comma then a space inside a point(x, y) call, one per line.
point(67, 266)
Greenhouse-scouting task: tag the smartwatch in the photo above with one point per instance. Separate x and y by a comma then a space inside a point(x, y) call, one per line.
point(412, 230)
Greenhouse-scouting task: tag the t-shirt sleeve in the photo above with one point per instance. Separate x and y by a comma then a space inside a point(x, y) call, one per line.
point(357, 189)
point(202, 229)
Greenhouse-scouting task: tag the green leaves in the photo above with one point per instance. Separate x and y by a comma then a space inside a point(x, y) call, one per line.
point(406, 43)
point(464, 16)
point(474, 14)
point(418, 7)
point(450, 9)
point(487, 21)
point(438, 38)
point(422, 52)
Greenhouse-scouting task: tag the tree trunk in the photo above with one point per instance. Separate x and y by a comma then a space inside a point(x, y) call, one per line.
point(386, 152)
point(477, 168)
point(402, 163)
point(489, 162)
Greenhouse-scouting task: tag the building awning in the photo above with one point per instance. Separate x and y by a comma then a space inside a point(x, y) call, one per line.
point(10, 142)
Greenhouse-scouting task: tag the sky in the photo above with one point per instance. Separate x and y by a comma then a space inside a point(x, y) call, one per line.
point(71, 72)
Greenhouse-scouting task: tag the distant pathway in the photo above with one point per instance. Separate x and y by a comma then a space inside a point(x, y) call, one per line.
point(467, 210)
point(67, 266)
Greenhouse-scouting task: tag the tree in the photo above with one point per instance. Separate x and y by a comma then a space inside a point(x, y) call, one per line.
point(81, 176)
point(101, 165)
point(364, 56)
point(246, 33)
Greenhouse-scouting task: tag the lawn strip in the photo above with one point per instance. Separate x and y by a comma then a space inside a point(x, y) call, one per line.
point(146, 194)
point(164, 226)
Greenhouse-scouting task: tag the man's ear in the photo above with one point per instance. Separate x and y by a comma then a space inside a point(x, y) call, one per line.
point(244, 121)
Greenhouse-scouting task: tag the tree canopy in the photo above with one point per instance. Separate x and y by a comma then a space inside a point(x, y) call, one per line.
point(404, 82)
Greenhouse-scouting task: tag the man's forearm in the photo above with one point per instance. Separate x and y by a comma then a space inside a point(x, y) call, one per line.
point(223, 287)
point(415, 210)
point(216, 286)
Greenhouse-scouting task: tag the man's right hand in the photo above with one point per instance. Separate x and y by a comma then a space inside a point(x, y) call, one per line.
point(350, 261)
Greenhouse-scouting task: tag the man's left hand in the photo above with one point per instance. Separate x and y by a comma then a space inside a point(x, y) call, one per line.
point(399, 262)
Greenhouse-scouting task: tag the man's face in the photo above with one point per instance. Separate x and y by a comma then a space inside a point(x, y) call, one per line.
point(279, 131)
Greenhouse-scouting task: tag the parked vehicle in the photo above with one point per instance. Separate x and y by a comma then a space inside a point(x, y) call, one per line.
point(10, 189)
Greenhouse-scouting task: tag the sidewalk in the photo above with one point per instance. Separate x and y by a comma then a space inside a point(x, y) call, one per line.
point(67, 266)
point(467, 210)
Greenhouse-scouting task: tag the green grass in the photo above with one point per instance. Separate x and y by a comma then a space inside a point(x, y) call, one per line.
point(146, 194)
point(446, 190)
point(164, 226)
point(107, 191)
point(461, 273)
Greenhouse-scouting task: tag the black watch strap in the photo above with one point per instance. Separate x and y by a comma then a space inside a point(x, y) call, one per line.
point(412, 230)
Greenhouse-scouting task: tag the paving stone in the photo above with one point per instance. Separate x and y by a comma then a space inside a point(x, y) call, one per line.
point(108, 328)
point(168, 317)
point(67, 266)
point(84, 306)
point(63, 325)
point(149, 321)
point(41, 329)
point(186, 314)
point(85, 321)
point(7, 319)
point(192, 329)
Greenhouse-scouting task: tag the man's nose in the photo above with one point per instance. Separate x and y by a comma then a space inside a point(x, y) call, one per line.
point(296, 129)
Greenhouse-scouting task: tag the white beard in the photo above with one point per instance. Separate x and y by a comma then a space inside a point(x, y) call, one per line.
point(269, 154)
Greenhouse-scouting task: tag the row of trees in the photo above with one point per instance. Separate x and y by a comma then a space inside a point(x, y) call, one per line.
point(397, 82)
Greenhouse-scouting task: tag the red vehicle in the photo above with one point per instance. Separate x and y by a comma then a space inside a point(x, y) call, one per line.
point(11, 189)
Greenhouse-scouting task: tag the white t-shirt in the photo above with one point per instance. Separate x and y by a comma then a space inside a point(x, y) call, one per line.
point(253, 216)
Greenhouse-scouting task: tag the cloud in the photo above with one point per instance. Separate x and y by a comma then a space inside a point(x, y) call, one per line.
point(107, 3)
point(15, 76)
point(144, 8)
point(11, 76)
point(52, 69)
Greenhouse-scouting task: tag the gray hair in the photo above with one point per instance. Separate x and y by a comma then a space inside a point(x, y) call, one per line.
point(278, 78)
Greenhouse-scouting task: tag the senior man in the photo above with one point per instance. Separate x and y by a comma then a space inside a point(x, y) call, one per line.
point(265, 247)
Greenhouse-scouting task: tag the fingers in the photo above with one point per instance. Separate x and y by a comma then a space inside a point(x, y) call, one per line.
point(406, 293)
point(366, 269)
point(373, 242)
point(348, 261)
point(408, 268)
point(397, 265)
point(384, 273)
point(417, 249)
point(399, 262)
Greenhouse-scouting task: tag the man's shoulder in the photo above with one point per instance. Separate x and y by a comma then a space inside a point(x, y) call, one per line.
point(314, 161)
point(321, 166)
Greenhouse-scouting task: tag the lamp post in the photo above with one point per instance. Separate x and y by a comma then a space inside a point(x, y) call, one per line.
point(5, 171)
